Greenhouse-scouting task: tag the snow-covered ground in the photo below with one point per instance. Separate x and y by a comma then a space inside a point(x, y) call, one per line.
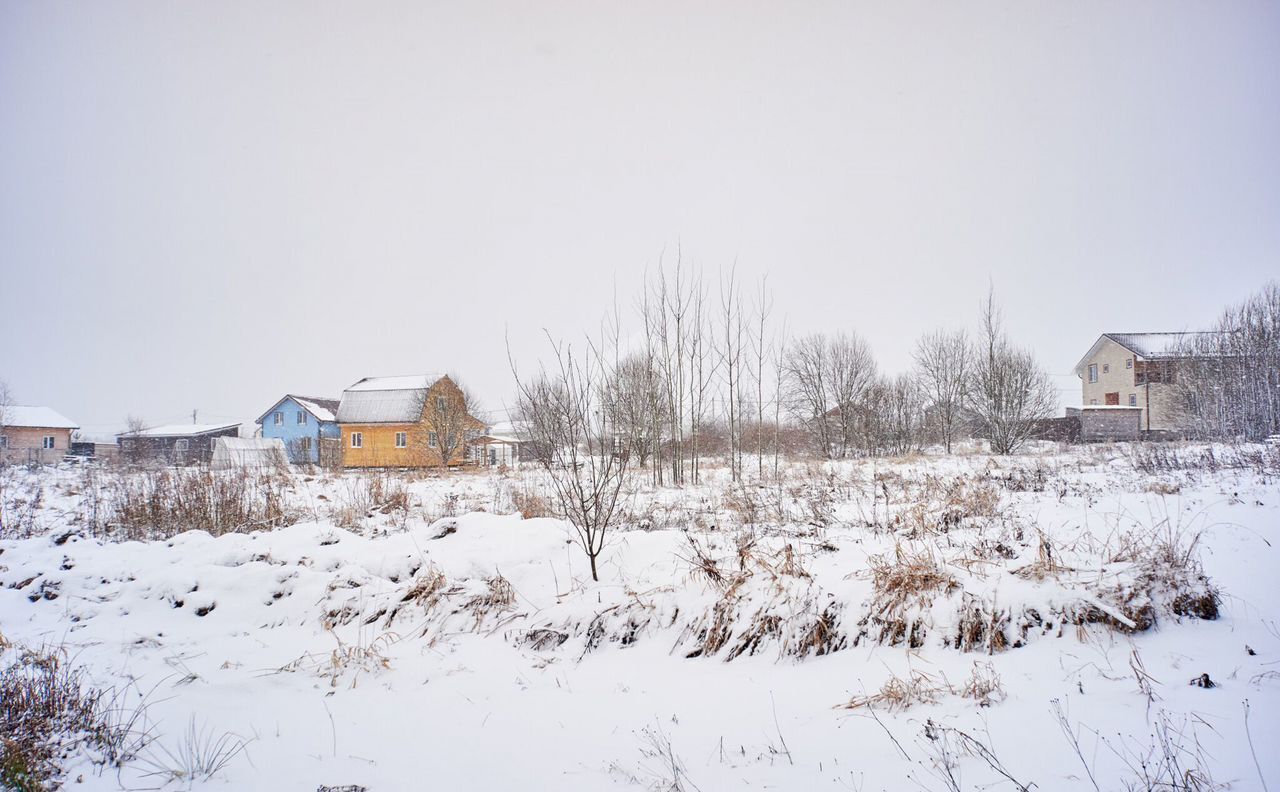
point(414, 633)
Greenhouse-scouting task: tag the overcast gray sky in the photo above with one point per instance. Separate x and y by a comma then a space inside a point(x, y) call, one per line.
point(208, 204)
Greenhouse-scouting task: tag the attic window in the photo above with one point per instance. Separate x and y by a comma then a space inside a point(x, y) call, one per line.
point(1106, 368)
point(302, 417)
point(278, 418)
point(1128, 363)
point(1093, 372)
point(433, 439)
point(441, 405)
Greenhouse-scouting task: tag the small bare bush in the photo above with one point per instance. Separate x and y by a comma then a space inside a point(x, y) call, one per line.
point(49, 711)
point(898, 694)
point(984, 685)
point(360, 656)
point(530, 503)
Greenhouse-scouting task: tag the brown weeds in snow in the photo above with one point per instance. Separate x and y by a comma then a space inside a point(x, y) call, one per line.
point(912, 574)
point(984, 685)
point(898, 694)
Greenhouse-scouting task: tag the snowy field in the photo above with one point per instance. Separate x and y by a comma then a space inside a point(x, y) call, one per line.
point(939, 623)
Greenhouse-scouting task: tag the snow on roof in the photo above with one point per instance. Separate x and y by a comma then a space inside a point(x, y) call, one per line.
point(1151, 346)
point(182, 430)
point(1161, 345)
point(386, 399)
point(402, 382)
point(323, 409)
point(21, 415)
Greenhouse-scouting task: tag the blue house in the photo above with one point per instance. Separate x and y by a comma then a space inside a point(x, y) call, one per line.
point(303, 423)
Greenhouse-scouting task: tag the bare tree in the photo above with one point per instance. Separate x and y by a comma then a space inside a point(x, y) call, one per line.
point(6, 402)
point(561, 412)
point(731, 363)
point(633, 400)
point(762, 350)
point(1228, 379)
point(828, 378)
point(942, 371)
point(448, 421)
point(666, 307)
point(894, 416)
point(1008, 392)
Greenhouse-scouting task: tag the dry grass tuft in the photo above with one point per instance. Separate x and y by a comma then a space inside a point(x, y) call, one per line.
point(984, 685)
point(898, 694)
point(912, 574)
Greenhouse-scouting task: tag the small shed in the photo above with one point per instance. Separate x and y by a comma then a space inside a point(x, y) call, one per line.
point(261, 454)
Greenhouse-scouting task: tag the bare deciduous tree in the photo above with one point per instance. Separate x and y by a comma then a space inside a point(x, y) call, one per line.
point(633, 400)
point(6, 402)
point(562, 411)
point(894, 417)
point(942, 370)
point(731, 363)
point(448, 411)
point(1008, 392)
point(828, 378)
point(762, 349)
point(1228, 382)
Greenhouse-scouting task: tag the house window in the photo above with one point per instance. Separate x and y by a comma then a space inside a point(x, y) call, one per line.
point(278, 418)
point(433, 439)
point(1093, 372)
point(1106, 368)
point(127, 445)
point(1093, 401)
point(1128, 363)
point(47, 442)
point(357, 439)
point(302, 417)
point(440, 404)
point(402, 439)
point(4, 441)
point(305, 445)
point(1133, 400)
point(181, 445)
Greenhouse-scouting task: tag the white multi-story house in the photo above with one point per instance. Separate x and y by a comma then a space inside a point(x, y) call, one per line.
point(1138, 370)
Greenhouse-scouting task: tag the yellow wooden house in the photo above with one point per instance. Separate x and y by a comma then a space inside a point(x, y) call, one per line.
point(413, 421)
